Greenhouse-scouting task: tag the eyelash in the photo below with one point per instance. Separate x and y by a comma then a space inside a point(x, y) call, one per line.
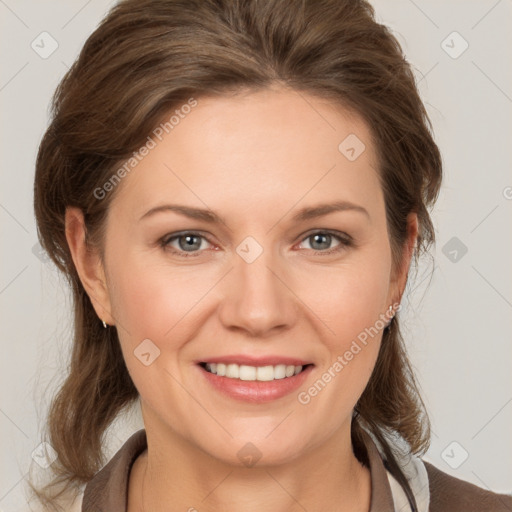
point(345, 242)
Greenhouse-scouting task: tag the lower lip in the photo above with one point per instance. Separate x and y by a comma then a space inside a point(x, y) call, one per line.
point(256, 391)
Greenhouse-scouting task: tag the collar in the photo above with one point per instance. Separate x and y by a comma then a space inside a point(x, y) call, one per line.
point(108, 490)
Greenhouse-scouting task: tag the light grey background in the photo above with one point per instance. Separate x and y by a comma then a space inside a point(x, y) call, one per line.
point(457, 329)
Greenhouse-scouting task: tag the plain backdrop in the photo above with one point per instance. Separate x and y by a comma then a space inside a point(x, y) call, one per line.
point(457, 321)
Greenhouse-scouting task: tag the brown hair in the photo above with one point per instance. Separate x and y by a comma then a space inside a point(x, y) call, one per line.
point(146, 58)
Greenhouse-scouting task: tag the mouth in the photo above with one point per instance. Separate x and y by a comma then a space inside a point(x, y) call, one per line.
point(259, 382)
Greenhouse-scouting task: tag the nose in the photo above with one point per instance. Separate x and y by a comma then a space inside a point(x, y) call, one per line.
point(257, 298)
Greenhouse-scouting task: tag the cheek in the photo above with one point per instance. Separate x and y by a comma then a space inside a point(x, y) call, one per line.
point(350, 303)
point(348, 299)
point(158, 303)
point(151, 301)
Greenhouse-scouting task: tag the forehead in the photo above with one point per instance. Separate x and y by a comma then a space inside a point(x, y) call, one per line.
point(252, 150)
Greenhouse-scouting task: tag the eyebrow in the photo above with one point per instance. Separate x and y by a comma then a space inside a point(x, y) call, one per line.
point(307, 213)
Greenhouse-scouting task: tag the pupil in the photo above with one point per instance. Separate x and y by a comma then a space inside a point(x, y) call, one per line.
point(319, 237)
point(190, 242)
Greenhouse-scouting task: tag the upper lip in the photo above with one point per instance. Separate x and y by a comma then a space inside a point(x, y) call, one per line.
point(270, 360)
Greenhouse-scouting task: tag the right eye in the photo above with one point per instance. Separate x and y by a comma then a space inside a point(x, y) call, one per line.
point(185, 242)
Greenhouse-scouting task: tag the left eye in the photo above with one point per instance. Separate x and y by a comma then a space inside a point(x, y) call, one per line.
point(192, 243)
point(321, 239)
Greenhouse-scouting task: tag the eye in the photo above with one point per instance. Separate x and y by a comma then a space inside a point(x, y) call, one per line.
point(187, 242)
point(320, 241)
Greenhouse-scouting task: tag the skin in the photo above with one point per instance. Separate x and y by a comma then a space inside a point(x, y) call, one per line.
point(255, 159)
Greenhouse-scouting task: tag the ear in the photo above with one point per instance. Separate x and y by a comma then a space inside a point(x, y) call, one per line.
point(400, 280)
point(88, 265)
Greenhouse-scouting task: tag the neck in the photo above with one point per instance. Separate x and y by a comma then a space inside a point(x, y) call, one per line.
point(178, 475)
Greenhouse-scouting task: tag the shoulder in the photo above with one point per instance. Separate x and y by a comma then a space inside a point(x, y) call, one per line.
point(450, 494)
point(108, 490)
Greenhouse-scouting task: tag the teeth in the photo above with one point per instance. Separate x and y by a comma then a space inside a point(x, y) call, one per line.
point(253, 373)
point(265, 373)
point(247, 372)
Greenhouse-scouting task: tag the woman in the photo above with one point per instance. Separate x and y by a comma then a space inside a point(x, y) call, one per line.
point(236, 191)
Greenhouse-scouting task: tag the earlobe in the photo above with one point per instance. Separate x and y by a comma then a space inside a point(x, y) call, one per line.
point(88, 264)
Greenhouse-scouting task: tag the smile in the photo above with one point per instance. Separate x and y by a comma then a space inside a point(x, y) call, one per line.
point(256, 384)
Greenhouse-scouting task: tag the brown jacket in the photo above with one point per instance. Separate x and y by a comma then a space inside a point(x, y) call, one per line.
point(108, 490)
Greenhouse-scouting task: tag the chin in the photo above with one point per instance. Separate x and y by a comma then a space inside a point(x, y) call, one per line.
point(261, 451)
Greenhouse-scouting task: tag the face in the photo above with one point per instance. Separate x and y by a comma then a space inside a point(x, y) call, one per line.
point(220, 249)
